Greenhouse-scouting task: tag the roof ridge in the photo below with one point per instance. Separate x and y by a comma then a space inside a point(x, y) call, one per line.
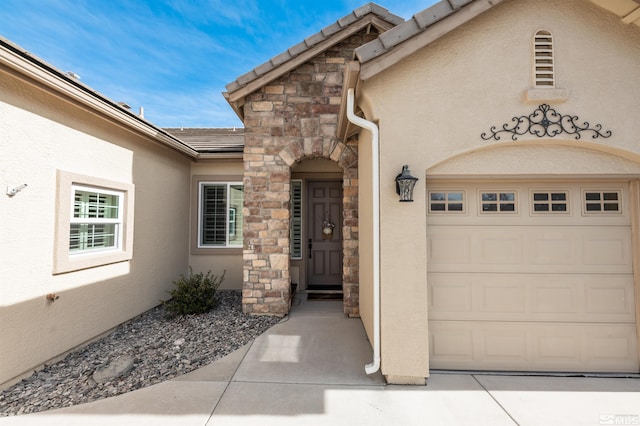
point(314, 39)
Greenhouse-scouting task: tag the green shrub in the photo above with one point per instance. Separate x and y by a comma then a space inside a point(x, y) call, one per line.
point(195, 294)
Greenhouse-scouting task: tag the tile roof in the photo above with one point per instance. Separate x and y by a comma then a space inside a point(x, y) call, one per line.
point(210, 140)
point(313, 40)
point(406, 30)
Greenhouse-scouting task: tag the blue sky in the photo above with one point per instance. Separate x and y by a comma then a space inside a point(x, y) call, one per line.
point(172, 57)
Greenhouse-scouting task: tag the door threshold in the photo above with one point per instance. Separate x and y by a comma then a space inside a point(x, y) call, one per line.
point(310, 290)
point(325, 296)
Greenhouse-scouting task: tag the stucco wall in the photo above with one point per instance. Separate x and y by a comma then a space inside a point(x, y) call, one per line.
point(434, 105)
point(221, 259)
point(39, 135)
point(366, 230)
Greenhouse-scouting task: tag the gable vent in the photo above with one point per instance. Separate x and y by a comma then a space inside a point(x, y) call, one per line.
point(543, 59)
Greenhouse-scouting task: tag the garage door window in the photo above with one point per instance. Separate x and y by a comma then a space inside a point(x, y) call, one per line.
point(550, 202)
point(446, 202)
point(497, 202)
point(598, 202)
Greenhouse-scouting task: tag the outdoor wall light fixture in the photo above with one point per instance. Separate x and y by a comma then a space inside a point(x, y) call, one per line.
point(404, 184)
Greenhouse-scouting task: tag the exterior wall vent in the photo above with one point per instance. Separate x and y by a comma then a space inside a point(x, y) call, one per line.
point(544, 75)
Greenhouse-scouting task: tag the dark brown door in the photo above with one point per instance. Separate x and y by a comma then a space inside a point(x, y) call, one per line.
point(324, 235)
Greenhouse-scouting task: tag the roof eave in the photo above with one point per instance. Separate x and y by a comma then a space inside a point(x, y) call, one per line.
point(375, 57)
point(236, 106)
point(268, 77)
point(254, 81)
point(224, 156)
point(36, 71)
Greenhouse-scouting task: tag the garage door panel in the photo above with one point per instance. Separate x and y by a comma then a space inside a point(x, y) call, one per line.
point(529, 249)
point(498, 247)
point(523, 297)
point(452, 248)
point(453, 345)
point(529, 346)
point(555, 247)
point(453, 297)
point(559, 348)
point(611, 345)
point(557, 296)
point(480, 346)
point(503, 298)
point(593, 347)
point(501, 345)
point(608, 247)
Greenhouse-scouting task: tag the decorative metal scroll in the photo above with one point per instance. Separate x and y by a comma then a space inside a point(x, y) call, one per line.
point(545, 121)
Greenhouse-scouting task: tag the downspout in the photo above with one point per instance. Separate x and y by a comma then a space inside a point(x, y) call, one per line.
point(368, 125)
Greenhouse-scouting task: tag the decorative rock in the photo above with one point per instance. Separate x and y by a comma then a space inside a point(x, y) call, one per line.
point(149, 339)
point(120, 367)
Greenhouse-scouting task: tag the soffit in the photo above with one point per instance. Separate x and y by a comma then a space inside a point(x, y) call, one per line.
point(627, 10)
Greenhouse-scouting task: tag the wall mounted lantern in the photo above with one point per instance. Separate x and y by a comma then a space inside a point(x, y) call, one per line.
point(404, 184)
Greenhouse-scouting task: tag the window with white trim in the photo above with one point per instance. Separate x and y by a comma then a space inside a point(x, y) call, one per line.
point(498, 202)
point(543, 202)
point(96, 223)
point(602, 201)
point(296, 219)
point(446, 202)
point(220, 216)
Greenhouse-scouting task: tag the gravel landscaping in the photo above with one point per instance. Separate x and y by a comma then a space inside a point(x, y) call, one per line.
point(160, 349)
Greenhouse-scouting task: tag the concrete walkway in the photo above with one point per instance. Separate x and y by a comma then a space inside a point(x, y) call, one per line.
point(309, 370)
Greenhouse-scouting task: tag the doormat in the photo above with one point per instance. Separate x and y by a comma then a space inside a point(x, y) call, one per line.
point(324, 296)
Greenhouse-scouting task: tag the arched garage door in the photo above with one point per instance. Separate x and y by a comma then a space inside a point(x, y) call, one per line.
point(531, 276)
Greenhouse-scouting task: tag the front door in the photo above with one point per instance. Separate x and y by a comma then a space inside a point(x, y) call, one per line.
point(324, 235)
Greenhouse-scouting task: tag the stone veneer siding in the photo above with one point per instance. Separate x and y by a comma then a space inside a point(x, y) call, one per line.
point(294, 118)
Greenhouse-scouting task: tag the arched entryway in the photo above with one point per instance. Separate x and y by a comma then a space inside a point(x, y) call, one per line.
point(276, 252)
point(317, 227)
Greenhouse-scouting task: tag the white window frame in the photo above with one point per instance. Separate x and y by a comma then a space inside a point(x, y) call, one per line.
point(65, 260)
point(118, 221)
point(227, 244)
